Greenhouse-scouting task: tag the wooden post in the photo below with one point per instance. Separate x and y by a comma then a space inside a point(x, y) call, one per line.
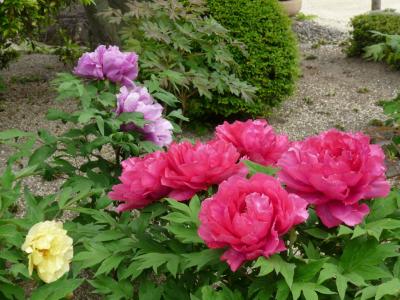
point(376, 4)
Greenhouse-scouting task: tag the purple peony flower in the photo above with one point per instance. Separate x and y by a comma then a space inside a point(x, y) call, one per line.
point(90, 64)
point(159, 132)
point(120, 67)
point(110, 63)
point(138, 99)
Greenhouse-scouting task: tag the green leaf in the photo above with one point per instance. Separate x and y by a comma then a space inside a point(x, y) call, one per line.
point(306, 272)
point(106, 285)
point(178, 114)
point(100, 124)
point(255, 168)
point(12, 292)
point(96, 254)
point(55, 114)
point(341, 284)
point(201, 259)
point(13, 133)
point(56, 290)
point(107, 99)
point(383, 207)
point(134, 117)
point(131, 272)
point(149, 291)
point(155, 260)
point(360, 256)
point(279, 265)
point(41, 154)
point(110, 263)
point(344, 230)
point(391, 287)
point(318, 233)
point(34, 212)
point(86, 115)
point(309, 290)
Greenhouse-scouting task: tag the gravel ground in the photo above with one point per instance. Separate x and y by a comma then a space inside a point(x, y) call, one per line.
point(312, 32)
point(335, 91)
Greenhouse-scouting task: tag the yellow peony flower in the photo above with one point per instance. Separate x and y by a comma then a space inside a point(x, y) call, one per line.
point(50, 250)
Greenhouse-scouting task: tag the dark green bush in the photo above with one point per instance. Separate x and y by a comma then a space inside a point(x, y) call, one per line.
point(386, 22)
point(272, 61)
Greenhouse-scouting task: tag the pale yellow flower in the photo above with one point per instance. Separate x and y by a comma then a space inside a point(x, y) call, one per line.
point(50, 250)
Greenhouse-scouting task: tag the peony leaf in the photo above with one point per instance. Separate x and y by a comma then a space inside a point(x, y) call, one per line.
point(257, 168)
point(202, 258)
point(56, 290)
point(391, 287)
point(341, 284)
point(279, 265)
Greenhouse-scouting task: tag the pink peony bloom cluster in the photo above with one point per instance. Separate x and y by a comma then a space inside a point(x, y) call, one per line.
point(193, 168)
point(334, 171)
point(140, 181)
point(255, 140)
point(138, 99)
point(182, 171)
point(248, 217)
point(109, 63)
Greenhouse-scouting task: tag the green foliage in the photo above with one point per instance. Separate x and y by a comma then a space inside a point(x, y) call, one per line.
point(184, 50)
point(364, 26)
point(392, 109)
point(388, 51)
point(21, 20)
point(271, 61)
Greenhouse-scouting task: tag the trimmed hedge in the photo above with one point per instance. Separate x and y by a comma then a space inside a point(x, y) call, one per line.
point(387, 22)
point(272, 61)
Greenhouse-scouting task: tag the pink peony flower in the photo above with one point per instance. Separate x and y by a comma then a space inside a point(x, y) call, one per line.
point(248, 217)
point(255, 140)
point(334, 171)
point(120, 66)
point(90, 64)
point(192, 168)
point(140, 181)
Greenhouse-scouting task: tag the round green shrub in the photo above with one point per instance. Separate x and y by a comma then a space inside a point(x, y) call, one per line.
point(271, 63)
point(387, 22)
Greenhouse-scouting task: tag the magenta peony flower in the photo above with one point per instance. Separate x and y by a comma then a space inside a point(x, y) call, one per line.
point(90, 64)
point(255, 140)
point(140, 181)
point(159, 132)
point(248, 217)
point(334, 171)
point(192, 168)
point(120, 66)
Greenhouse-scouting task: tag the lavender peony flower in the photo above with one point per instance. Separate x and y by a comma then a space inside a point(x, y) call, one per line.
point(111, 63)
point(159, 132)
point(138, 99)
point(90, 64)
point(120, 67)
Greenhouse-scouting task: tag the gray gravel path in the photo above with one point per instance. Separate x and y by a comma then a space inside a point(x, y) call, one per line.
point(335, 91)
